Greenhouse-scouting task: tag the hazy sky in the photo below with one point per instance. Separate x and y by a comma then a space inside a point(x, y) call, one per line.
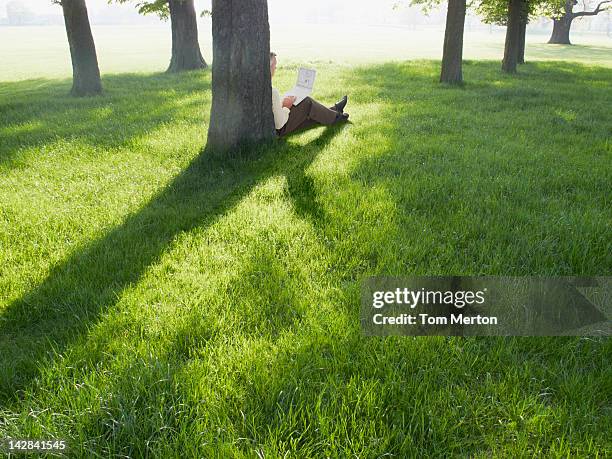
point(280, 10)
point(284, 11)
point(47, 6)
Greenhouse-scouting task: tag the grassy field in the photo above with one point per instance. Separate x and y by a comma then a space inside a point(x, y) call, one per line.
point(155, 300)
point(33, 52)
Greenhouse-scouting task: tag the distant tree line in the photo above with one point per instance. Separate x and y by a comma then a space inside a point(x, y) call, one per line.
point(17, 14)
point(515, 15)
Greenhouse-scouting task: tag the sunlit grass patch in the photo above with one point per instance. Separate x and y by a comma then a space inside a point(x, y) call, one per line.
point(157, 300)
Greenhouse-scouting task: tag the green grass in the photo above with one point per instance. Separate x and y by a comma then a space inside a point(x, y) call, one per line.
point(157, 301)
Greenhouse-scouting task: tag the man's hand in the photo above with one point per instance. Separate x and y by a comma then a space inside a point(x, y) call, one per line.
point(288, 101)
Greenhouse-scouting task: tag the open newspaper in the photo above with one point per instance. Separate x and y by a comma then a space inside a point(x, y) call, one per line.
point(303, 87)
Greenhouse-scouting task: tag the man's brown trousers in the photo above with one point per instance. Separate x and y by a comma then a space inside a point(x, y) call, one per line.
point(307, 113)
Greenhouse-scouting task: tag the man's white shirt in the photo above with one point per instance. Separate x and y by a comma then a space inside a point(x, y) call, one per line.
point(281, 114)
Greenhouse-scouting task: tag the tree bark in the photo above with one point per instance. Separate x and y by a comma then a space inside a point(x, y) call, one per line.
point(186, 53)
point(561, 31)
point(563, 24)
point(522, 38)
point(511, 48)
point(241, 108)
point(85, 71)
point(452, 56)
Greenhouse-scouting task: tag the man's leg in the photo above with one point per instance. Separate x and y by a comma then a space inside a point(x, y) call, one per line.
point(307, 113)
point(320, 113)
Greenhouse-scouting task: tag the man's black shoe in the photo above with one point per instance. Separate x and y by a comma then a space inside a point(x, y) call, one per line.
point(339, 107)
point(341, 117)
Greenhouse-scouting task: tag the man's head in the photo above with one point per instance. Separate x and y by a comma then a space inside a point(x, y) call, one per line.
point(272, 63)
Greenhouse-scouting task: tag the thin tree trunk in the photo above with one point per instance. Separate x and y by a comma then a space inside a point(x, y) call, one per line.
point(511, 48)
point(241, 108)
point(522, 38)
point(452, 57)
point(85, 71)
point(186, 53)
point(561, 31)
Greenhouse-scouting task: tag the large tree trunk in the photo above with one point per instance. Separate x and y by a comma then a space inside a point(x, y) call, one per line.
point(452, 56)
point(241, 108)
point(522, 38)
point(561, 31)
point(562, 25)
point(513, 29)
point(186, 53)
point(85, 71)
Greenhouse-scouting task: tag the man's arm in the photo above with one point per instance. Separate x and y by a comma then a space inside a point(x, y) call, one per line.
point(280, 111)
point(288, 101)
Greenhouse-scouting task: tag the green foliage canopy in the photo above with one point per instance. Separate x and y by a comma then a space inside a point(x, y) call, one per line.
point(159, 7)
point(496, 11)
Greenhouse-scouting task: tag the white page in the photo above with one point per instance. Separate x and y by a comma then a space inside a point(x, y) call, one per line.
point(304, 86)
point(306, 78)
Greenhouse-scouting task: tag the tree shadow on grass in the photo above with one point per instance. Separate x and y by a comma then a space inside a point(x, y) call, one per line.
point(412, 397)
point(424, 396)
point(75, 293)
point(38, 112)
point(156, 394)
point(343, 395)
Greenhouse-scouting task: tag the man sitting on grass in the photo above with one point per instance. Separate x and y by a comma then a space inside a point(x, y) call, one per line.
point(289, 118)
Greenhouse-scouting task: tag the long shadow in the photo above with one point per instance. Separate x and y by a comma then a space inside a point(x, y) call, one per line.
point(259, 311)
point(75, 293)
point(36, 112)
point(349, 388)
point(322, 380)
point(354, 383)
